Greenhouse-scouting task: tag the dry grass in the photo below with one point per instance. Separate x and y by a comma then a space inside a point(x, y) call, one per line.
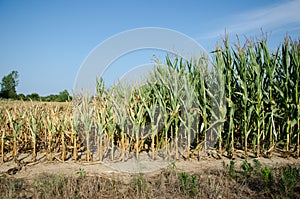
point(170, 183)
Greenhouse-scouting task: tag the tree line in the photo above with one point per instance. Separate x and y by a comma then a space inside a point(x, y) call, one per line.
point(8, 91)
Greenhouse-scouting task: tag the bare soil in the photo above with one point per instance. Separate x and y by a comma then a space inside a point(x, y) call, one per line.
point(24, 168)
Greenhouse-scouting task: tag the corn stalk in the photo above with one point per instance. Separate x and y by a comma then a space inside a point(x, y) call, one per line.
point(16, 126)
point(32, 125)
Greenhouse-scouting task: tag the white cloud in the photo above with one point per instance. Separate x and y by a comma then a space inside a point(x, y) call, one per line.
point(269, 18)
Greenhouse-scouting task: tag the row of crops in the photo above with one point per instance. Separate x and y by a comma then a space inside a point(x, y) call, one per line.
point(246, 99)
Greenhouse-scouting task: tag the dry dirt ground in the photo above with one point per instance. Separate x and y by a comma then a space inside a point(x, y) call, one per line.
point(145, 166)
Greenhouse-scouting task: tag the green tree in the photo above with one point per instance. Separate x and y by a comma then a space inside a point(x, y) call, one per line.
point(33, 97)
point(21, 96)
point(51, 98)
point(9, 84)
point(63, 96)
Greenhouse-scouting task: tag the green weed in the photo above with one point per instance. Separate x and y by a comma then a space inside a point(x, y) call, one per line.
point(189, 184)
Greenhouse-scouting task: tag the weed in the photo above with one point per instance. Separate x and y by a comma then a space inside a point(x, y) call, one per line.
point(257, 165)
point(288, 180)
point(13, 187)
point(81, 172)
point(189, 184)
point(247, 168)
point(53, 185)
point(230, 169)
point(139, 183)
point(267, 176)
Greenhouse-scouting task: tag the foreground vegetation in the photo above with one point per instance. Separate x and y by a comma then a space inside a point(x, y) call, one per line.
point(249, 179)
point(248, 100)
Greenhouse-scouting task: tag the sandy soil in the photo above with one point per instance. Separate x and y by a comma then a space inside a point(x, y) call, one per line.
point(26, 169)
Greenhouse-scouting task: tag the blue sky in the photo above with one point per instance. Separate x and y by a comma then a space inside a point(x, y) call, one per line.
point(47, 41)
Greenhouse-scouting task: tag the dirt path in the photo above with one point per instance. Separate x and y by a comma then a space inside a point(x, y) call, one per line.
point(146, 166)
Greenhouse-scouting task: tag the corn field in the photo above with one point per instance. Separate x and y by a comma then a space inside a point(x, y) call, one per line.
point(248, 101)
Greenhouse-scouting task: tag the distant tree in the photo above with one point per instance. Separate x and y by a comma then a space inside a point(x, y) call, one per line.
point(21, 96)
point(63, 96)
point(51, 98)
point(33, 97)
point(9, 84)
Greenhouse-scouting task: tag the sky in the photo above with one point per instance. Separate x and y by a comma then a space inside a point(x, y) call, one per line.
point(47, 41)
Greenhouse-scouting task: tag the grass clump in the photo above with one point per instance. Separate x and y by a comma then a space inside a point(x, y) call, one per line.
point(189, 184)
point(277, 182)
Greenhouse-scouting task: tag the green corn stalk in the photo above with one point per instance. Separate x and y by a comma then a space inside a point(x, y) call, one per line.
point(179, 91)
point(173, 92)
point(161, 93)
point(137, 117)
point(201, 88)
point(110, 127)
point(298, 130)
point(228, 61)
point(295, 61)
point(219, 111)
point(243, 78)
point(188, 116)
point(100, 88)
point(155, 105)
point(183, 98)
point(101, 126)
point(290, 67)
point(175, 118)
point(270, 67)
point(256, 61)
point(120, 105)
point(86, 114)
point(102, 121)
point(198, 76)
point(32, 125)
point(152, 110)
point(288, 98)
point(173, 108)
point(254, 82)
